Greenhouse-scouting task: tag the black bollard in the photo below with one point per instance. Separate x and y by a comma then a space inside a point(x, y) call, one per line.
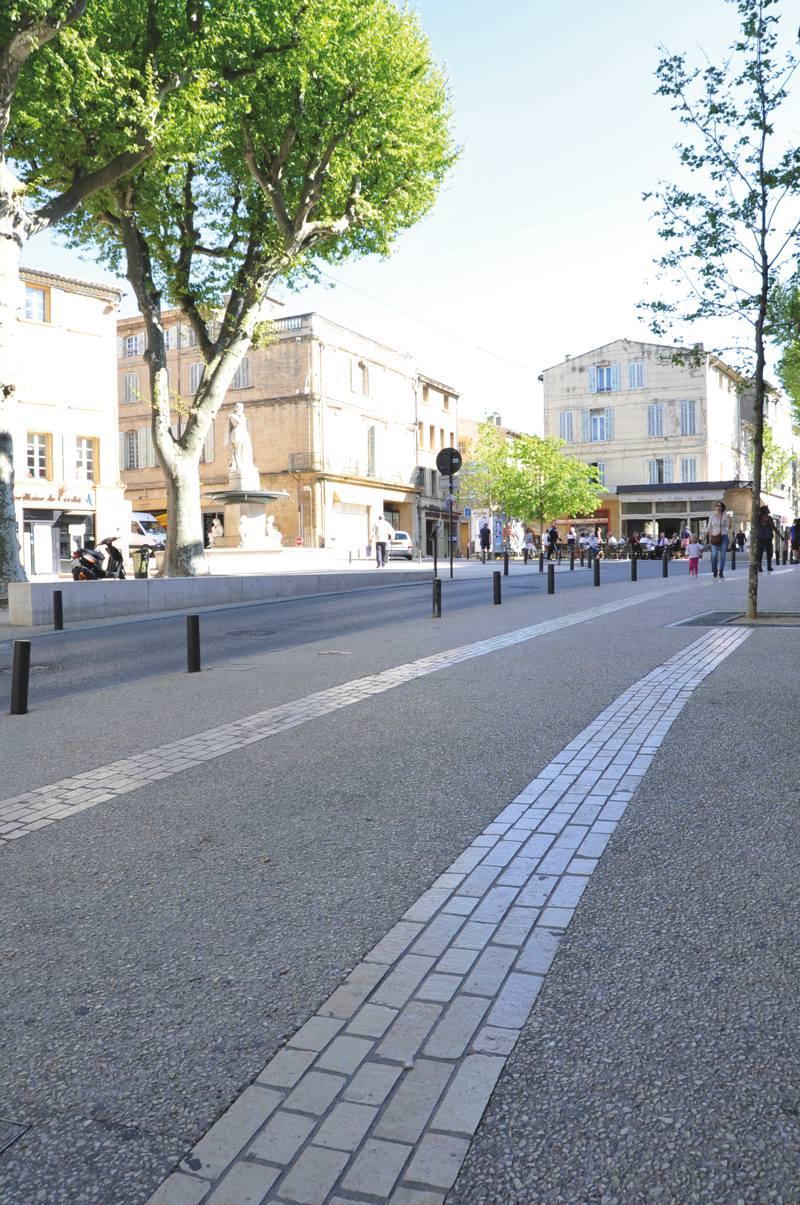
point(498, 596)
point(505, 564)
point(581, 556)
point(525, 554)
point(572, 556)
point(551, 579)
point(733, 558)
point(785, 553)
point(58, 611)
point(435, 559)
point(634, 568)
point(664, 565)
point(596, 568)
point(541, 562)
point(193, 644)
point(20, 675)
point(437, 598)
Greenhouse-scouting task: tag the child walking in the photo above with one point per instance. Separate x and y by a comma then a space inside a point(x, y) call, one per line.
point(693, 552)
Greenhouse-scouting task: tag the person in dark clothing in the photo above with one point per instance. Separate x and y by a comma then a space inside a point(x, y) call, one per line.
point(485, 541)
point(552, 543)
point(766, 535)
point(794, 536)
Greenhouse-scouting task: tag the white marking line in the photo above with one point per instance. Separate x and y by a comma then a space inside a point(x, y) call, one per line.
point(25, 813)
point(386, 1085)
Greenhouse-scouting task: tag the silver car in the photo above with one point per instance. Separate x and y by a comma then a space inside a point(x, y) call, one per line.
point(401, 546)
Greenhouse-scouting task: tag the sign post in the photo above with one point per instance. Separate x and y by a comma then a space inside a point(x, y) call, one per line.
point(448, 462)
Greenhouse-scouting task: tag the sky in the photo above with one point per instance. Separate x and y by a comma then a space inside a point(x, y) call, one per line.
point(540, 245)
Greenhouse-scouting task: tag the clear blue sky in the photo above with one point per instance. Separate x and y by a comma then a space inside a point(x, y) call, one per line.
point(540, 245)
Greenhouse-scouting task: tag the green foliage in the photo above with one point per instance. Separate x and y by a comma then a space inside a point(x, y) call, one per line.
point(784, 329)
point(775, 463)
point(527, 477)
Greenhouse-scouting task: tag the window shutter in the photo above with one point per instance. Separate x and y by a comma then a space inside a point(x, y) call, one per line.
point(120, 451)
point(652, 472)
point(67, 454)
point(195, 373)
point(142, 436)
point(120, 346)
point(140, 344)
point(592, 379)
point(668, 469)
point(610, 417)
point(585, 426)
point(615, 376)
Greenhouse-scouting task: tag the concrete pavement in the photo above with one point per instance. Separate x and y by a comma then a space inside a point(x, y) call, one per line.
point(481, 730)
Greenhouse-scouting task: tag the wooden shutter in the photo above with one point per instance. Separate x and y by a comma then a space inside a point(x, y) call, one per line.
point(667, 469)
point(615, 376)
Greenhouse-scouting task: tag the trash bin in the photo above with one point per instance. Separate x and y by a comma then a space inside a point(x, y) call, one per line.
point(141, 561)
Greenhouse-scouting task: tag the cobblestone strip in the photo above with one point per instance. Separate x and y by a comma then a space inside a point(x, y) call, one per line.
point(377, 1097)
point(35, 809)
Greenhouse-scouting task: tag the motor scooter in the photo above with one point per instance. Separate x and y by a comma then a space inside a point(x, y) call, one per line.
point(91, 564)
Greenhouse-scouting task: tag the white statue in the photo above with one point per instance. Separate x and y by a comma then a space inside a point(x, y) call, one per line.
point(273, 537)
point(216, 531)
point(238, 437)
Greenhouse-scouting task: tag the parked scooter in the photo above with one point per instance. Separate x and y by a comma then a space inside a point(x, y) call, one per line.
point(90, 564)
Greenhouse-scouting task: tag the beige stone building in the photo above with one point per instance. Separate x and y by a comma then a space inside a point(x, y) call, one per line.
point(344, 424)
point(67, 485)
point(668, 439)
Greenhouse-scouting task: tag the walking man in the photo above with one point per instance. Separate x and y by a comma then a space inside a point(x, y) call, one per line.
point(382, 532)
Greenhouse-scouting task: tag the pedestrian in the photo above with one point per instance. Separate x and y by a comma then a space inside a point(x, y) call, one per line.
point(383, 532)
point(529, 545)
point(794, 540)
point(717, 534)
point(766, 534)
point(552, 542)
point(572, 538)
point(741, 540)
point(485, 540)
point(693, 551)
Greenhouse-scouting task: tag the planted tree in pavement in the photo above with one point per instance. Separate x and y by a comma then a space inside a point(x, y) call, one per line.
point(731, 223)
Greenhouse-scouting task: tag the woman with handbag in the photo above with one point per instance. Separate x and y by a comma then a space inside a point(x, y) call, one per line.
point(719, 532)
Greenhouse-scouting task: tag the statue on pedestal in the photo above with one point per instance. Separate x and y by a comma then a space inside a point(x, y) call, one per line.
point(241, 462)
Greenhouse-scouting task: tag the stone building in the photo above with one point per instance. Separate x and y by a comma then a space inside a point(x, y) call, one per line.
point(67, 485)
point(344, 424)
point(669, 439)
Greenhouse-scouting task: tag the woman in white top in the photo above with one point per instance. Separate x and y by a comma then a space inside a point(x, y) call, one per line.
point(719, 532)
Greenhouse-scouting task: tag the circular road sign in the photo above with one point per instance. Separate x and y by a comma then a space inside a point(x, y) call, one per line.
point(448, 461)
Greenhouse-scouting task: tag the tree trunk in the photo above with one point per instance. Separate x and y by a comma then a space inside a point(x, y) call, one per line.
point(12, 237)
point(185, 556)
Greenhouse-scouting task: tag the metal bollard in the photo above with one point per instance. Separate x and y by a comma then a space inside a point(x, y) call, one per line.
point(437, 598)
point(58, 611)
point(498, 596)
point(541, 562)
point(597, 570)
point(525, 555)
point(733, 558)
point(634, 569)
point(193, 644)
point(20, 675)
point(664, 565)
point(551, 579)
point(785, 553)
point(581, 556)
point(505, 564)
point(572, 556)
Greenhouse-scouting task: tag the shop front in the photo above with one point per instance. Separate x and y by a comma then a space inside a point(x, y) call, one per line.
point(51, 526)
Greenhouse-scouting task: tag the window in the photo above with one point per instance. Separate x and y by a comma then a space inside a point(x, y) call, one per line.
point(364, 378)
point(241, 379)
point(371, 451)
point(421, 435)
point(85, 458)
point(133, 345)
point(636, 374)
point(601, 471)
point(130, 458)
point(660, 471)
point(170, 337)
point(38, 452)
point(195, 373)
point(688, 468)
point(426, 393)
point(655, 420)
point(597, 427)
point(130, 387)
point(446, 401)
point(565, 426)
point(36, 304)
point(688, 419)
point(603, 378)
point(188, 335)
point(432, 440)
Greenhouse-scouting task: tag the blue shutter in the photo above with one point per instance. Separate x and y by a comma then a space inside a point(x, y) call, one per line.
point(615, 376)
point(610, 421)
point(592, 379)
point(668, 470)
point(585, 426)
point(651, 472)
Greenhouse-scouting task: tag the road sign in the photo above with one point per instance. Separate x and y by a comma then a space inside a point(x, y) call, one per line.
point(467, 512)
point(448, 461)
point(298, 540)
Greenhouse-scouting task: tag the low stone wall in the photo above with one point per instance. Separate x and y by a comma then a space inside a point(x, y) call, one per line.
point(30, 604)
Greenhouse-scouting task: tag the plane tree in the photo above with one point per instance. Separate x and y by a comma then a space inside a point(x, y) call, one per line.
point(323, 152)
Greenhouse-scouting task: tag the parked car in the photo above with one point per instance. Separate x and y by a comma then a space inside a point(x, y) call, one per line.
point(400, 545)
point(146, 531)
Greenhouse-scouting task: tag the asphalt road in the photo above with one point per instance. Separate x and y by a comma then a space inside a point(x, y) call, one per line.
point(158, 950)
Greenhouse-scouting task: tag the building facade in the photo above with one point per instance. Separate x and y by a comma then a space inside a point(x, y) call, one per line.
point(344, 424)
point(67, 485)
point(668, 439)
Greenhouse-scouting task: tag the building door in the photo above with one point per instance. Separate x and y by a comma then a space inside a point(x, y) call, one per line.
point(349, 529)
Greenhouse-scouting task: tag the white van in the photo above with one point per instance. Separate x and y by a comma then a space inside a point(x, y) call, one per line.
point(146, 531)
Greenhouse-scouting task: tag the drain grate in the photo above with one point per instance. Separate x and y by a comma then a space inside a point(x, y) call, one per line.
point(715, 619)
